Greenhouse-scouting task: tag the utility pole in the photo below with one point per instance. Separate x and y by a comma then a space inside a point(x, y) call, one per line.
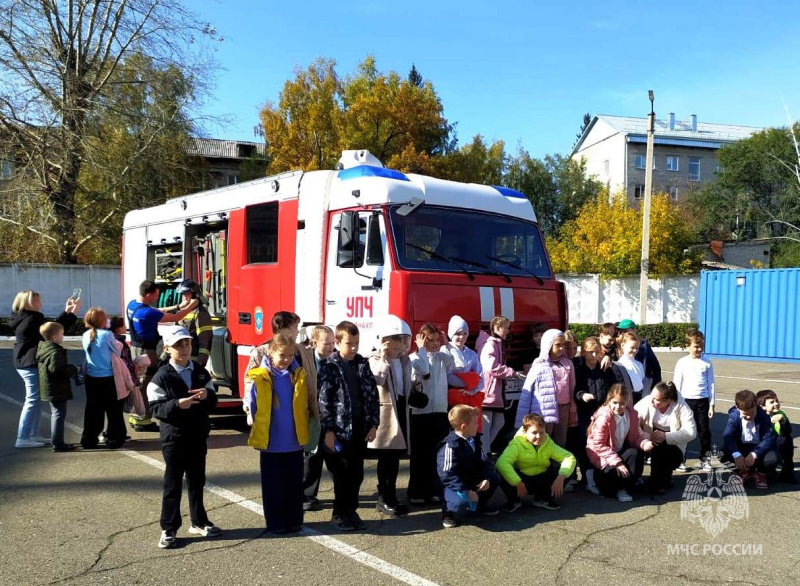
point(648, 196)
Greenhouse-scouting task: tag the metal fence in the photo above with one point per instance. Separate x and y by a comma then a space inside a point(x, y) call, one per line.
point(99, 284)
point(670, 299)
point(591, 299)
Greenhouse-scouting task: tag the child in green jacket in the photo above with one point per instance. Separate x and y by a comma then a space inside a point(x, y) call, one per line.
point(54, 380)
point(533, 464)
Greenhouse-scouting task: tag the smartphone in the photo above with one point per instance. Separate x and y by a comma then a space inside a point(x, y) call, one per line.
point(76, 294)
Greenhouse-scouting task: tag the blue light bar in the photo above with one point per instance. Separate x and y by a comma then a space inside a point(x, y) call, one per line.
point(370, 171)
point(508, 192)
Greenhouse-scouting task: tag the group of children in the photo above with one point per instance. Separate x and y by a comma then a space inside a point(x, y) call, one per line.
point(444, 405)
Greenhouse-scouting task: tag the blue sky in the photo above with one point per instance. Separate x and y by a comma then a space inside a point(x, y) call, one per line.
point(523, 72)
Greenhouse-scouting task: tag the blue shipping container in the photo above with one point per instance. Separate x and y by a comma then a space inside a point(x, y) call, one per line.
point(751, 314)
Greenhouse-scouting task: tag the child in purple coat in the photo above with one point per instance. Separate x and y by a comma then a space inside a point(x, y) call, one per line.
point(549, 388)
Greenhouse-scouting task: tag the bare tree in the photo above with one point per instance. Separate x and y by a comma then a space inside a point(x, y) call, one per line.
point(62, 62)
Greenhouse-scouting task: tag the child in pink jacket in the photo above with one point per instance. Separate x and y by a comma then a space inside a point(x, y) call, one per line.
point(495, 372)
point(616, 445)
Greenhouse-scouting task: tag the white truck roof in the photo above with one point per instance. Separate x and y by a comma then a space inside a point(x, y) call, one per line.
point(363, 185)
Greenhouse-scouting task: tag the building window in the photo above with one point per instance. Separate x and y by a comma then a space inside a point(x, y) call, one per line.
point(641, 161)
point(262, 233)
point(694, 168)
point(606, 166)
point(673, 163)
point(233, 179)
point(673, 193)
point(6, 170)
point(638, 191)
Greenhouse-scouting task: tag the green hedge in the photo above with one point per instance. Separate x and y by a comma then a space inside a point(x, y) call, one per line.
point(657, 335)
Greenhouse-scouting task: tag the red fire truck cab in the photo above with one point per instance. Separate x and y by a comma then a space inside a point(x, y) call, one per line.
point(351, 244)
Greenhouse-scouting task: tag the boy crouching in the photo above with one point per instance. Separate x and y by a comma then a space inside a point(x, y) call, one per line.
point(468, 476)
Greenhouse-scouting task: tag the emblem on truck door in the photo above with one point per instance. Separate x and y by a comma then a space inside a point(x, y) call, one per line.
point(258, 314)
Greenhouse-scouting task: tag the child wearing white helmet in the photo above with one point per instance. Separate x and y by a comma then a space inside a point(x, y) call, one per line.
point(466, 359)
point(390, 441)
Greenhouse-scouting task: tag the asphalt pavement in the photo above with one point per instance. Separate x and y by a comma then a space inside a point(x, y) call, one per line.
point(91, 517)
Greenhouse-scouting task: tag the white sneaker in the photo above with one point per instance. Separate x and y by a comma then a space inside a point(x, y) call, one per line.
point(682, 467)
point(28, 443)
point(623, 496)
point(209, 530)
point(44, 440)
point(167, 540)
point(706, 465)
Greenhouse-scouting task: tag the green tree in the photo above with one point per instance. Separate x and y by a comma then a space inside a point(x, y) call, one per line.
point(475, 162)
point(557, 187)
point(756, 194)
point(414, 76)
point(60, 62)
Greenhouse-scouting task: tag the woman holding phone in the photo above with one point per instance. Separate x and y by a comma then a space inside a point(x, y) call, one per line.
point(26, 320)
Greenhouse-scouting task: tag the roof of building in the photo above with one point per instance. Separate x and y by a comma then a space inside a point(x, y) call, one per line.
point(215, 148)
point(707, 134)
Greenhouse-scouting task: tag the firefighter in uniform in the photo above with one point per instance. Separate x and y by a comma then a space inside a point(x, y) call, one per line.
point(197, 321)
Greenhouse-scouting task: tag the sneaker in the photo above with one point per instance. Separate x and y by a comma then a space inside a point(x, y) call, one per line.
point(706, 464)
point(548, 504)
point(647, 461)
point(167, 540)
point(512, 506)
point(592, 487)
point(570, 485)
point(384, 508)
point(487, 511)
point(40, 439)
point(311, 504)
point(342, 523)
point(761, 480)
point(402, 509)
point(448, 521)
point(623, 496)
point(357, 523)
point(28, 443)
point(682, 467)
point(207, 530)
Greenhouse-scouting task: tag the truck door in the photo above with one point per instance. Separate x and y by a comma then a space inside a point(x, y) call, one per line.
point(357, 274)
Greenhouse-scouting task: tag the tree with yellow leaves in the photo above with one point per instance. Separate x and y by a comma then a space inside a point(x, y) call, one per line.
point(606, 238)
point(318, 115)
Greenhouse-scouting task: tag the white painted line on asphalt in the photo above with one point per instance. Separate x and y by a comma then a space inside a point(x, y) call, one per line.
point(331, 543)
point(782, 406)
point(758, 380)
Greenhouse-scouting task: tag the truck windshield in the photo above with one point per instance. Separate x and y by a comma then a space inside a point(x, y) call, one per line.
point(442, 239)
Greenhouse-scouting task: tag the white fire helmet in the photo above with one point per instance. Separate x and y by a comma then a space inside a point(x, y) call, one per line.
point(391, 325)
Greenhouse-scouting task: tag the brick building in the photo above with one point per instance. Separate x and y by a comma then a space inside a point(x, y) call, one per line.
point(615, 149)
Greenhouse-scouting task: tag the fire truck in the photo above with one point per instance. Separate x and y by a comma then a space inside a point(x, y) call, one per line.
point(353, 244)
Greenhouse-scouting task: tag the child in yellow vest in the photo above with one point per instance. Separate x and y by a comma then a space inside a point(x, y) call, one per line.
point(279, 413)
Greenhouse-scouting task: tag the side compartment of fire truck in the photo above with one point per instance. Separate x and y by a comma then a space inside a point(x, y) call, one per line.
point(197, 250)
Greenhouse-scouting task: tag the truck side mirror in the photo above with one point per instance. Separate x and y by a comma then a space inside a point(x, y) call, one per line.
point(374, 241)
point(349, 252)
